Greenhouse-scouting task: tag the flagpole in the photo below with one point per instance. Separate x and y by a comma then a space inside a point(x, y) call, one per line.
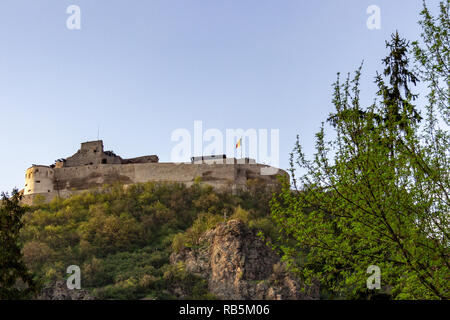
point(241, 147)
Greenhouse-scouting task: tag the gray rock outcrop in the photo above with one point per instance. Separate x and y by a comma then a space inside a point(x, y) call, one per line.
point(59, 291)
point(239, 266)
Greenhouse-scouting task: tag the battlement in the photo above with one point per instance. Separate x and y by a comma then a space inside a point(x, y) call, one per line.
point(91, 167)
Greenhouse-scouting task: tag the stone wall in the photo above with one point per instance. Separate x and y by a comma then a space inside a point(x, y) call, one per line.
point(144, 159)
point(217, 175)
point(66, 181)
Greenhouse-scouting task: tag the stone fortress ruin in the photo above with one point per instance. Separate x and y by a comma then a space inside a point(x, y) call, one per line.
point(91, 167)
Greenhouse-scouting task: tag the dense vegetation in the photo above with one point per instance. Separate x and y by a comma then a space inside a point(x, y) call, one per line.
point(16, 281)
point(377, 191)
point(122, 237)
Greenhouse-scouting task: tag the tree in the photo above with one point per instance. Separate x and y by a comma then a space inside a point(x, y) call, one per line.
point(432, 55)
point(376, 194)
point(16, 282)
point(398, 109)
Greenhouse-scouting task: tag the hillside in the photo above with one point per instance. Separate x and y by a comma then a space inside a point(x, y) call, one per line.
point(123, 239)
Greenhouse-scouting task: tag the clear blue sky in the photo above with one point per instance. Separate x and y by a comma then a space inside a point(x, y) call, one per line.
point(142, 69)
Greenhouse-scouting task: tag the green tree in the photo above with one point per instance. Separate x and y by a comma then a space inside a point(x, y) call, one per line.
point(432, 55)
point(398, 109)
point(16, 282)
point(376, 194)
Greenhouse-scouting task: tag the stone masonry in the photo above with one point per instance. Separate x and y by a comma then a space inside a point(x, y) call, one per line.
point(91, 167)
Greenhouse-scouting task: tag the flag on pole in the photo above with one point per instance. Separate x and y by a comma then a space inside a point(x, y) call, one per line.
point(239, 143)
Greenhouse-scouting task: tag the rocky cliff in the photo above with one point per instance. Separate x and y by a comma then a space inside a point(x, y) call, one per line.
point(239, 266)
point(59, 291)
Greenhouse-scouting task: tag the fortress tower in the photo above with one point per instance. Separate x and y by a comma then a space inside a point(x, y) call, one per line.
point(39, 179)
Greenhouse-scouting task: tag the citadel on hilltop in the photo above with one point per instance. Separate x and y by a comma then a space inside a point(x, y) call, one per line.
point(91, 167)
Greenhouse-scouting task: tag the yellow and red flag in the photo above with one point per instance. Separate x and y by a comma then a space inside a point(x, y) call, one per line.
point(239, 143)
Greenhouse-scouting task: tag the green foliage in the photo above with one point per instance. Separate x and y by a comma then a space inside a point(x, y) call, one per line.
point(16, 282)
point(376, 194)
point(241, 214)
point(122, 238)
point(432, 55)
point(178, 279)
point(263, 224)
point(191, 238)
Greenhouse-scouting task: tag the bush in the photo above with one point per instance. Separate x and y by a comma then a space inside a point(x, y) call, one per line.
point(241, 214)
point(204, 222)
